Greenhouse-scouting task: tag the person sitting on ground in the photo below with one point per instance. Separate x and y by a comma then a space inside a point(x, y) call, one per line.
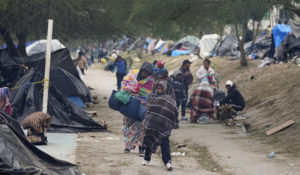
point(37, 123)
point(4, 101)
point(176, 82)
point(206, 74)
point(233, 98)
point(160, 119)
point(159, 71)
point(82, 64)
point(121, 66)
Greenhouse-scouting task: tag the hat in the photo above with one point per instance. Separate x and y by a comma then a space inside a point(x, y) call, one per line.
point(177, 72)
point(229, 82)
point(161, 64)
point(186, 62)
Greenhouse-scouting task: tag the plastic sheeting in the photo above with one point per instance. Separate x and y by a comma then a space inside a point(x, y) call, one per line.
point(280, 31)
point(66, 116)
point(207, 44)
point(41, 47)
point(228, 46)
point(191, 39)
point(261, 46)
point(180, 52)
point(18, 156)
point(69, 85)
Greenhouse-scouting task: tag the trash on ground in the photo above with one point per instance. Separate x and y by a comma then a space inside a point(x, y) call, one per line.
point(180, 145)
point(271, 155)
point(177, 154)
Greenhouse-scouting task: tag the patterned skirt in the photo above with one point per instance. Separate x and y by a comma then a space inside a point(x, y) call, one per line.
point(133, 132)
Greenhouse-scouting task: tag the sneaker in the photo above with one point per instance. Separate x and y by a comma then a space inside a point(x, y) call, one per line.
point(184, 119)
point(141, 153)
point(145, 162)
point(169, 166)
point(126, 150)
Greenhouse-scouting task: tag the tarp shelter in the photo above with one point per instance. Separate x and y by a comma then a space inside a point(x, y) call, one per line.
point(280, 31)
point(191, 39)
point(18, 156)
point(290, 45)
point(41, 47)
point(66, 116)
point(69, 85)
point(207, 44)
point(260, 48)
point(228, 46)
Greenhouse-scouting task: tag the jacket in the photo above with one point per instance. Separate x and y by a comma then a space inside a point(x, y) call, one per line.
point(204, 75)
point(233, 97)
point(178, 87)
point(121, 66)
point(83, 64)
point(187, 79)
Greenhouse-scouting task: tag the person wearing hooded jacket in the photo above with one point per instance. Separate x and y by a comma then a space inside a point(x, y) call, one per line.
point(176, 82)
point(233, 98)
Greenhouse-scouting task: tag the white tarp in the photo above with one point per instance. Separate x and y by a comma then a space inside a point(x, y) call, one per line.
point(41, 46)
point(207, 44)
point(159, 44)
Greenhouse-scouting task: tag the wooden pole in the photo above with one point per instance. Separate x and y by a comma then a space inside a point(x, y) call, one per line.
point(47, 65)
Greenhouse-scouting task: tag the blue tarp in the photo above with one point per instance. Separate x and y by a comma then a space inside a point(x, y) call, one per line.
point(77, 100)
point(180, 52)
point(280, 31)
point(147, 42)
point(161, 47)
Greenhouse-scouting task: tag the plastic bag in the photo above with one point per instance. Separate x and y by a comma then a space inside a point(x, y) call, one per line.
point(123, 97)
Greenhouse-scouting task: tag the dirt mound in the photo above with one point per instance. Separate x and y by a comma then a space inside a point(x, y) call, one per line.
point(272, 97)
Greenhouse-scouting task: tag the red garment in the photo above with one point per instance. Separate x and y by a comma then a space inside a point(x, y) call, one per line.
point(202, 102)
point(8, 110)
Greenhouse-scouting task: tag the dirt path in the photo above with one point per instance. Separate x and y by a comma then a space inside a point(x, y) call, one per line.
point(229, 151)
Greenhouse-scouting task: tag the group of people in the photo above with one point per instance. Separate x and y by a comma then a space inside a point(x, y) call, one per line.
point(163, 95)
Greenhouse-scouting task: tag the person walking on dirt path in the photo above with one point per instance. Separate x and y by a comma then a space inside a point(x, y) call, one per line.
point(133, 131)
point(176, 82)
point(206, 74)
point(121, 66)
point(233, 98)
point(160, 119)
point(82, 64)
point(187, 81)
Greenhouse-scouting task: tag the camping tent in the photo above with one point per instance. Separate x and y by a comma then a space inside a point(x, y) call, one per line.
point(207, 44)
point(18, 156)
point(191, 39)
point(280, 31)
point(41, 46)
point(228, 46)
point(66, 116)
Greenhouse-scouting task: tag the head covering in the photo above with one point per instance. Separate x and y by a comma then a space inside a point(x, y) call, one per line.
point(229, 83)
point(4, 100)
point(147, 67)
point(186, 62)
point(177, 72)
point(161, 64)
point(164, 84)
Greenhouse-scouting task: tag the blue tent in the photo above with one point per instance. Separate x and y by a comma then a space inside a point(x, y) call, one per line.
point(280, 31)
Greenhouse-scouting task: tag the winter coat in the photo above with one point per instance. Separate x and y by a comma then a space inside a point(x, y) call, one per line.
point(121, 66)
point(178, 87)
point(233, 97)
point(187, 79)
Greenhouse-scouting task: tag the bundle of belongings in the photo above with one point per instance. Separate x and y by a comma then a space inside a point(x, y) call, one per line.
point(128, 105)
point(37, 123)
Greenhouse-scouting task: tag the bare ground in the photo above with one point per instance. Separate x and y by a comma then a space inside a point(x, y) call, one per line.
point(211, 149)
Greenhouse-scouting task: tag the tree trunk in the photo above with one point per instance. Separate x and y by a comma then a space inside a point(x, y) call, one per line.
point(22, 44)
point(243, 59)
point(9, 41)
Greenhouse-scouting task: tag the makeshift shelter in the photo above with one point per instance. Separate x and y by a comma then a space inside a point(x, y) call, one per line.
point(69, 85)
point(41, 47)
point(186, 45)
point(260, 48)
point(290, 46)
point(66, 116)
point(18, 156)
point(280, 31)
point(228, 46)
point(190, 39)
point(207, 44)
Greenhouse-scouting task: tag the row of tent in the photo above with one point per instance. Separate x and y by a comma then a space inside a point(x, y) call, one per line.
point(24, 77)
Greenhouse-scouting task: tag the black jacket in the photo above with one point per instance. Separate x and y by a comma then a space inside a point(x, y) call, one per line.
point(178, 87)
point(233, 97)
